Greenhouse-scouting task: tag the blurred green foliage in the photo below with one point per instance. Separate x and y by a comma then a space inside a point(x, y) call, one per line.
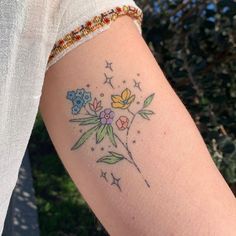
point(194, 42)
point(62, 210)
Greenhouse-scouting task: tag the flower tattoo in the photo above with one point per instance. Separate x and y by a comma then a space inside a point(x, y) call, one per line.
point(122, 122)
point(122, 101)
point(103, 123)
point(95, 106)
point(79, 99)
point(106, 116)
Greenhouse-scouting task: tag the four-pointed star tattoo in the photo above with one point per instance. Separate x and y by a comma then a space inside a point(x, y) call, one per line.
point(137, 85)
point(108, 80)
point(115, 181)
point(108, 65)
point(104, 175)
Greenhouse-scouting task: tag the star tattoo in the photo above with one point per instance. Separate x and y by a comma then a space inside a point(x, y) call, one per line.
point(137, 85)
point(108, 80)
point(104, 175)
point(108, 65)
point(115, 181)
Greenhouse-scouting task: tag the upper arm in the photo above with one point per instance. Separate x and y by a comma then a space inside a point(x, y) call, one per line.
point(130, 146)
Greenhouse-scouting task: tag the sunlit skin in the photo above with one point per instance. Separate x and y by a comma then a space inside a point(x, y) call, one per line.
point(184, 193)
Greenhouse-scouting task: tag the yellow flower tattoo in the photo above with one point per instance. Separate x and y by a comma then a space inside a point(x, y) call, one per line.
point(122, 101)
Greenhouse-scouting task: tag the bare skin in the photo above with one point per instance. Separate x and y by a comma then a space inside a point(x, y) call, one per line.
point(152, 174)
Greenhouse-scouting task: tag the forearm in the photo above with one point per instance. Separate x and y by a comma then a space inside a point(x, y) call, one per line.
point(163, 182)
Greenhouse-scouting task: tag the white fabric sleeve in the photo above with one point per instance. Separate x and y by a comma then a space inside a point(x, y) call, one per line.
point(82, 22)
point(28, 30)
point(35, 35)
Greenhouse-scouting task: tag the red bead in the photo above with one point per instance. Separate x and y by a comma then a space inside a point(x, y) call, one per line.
point(78, 37)
point(89, 23)
point(61, 42)
point(106, 20)
point(118, 9)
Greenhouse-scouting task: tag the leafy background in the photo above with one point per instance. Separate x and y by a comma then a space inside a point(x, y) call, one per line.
point(194, 42)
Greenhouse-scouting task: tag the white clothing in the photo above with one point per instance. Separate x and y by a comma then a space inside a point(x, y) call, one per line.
point(28, 31)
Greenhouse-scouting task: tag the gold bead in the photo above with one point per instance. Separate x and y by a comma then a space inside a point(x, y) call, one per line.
point(97, 19)
point(114, 17)
point(125, 9)
point(85, 32)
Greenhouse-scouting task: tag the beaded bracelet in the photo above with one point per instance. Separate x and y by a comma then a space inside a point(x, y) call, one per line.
point(97, 22)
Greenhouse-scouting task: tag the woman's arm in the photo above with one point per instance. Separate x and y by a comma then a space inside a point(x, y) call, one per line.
point(136, 156)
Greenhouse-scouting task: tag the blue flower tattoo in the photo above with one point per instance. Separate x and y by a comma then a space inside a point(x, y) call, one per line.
point(70, 95)
point(79, 99)
point(87, 97)
point(80, 92)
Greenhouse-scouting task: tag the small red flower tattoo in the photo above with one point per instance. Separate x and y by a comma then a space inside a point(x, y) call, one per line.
point(122, 123)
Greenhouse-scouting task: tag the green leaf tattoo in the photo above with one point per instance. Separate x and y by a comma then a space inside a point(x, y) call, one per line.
point(106, 123)
point(148, 100)
point(87, 121)
point(84, 137)
point(145, 113)
point(102, 131)
point(111, 135)
point(111, 158)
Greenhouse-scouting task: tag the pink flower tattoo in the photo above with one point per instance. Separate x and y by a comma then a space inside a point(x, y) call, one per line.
point(122, 123)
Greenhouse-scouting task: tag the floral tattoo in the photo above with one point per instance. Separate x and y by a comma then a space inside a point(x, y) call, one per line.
point(104, 122)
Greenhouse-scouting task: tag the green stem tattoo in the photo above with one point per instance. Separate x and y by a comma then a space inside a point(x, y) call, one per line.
point(131, 160)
